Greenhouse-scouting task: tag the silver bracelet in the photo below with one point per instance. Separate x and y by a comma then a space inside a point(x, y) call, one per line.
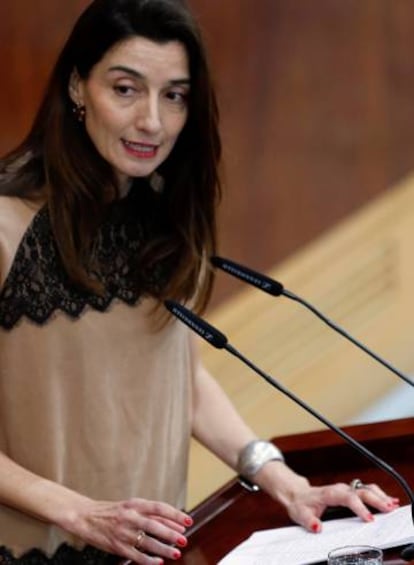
point(256, 454)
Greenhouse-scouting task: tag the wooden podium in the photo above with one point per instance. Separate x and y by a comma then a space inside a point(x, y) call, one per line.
point(230, 515)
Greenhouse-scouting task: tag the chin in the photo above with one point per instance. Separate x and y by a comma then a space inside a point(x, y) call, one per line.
point(137, 172)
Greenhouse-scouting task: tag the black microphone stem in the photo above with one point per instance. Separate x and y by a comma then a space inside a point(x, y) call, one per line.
point(345, 334)
point(359, 447)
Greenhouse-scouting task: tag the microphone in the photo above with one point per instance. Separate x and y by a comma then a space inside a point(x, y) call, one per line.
point(275, 288)
point(217, 339)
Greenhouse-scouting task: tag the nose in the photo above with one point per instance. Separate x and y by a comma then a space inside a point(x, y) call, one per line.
point(148, 115)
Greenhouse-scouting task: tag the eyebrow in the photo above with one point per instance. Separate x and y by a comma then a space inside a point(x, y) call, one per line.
point(138, 75)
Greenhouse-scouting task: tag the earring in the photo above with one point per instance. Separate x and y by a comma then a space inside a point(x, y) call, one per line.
point(157, 182)
point(80, 112)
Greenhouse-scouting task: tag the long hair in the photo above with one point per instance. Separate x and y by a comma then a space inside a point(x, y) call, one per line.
point(58, 161)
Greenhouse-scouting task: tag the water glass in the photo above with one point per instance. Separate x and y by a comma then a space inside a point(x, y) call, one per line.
point(355, 555)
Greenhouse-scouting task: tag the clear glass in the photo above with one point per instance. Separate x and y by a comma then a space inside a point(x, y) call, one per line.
point(355, 555)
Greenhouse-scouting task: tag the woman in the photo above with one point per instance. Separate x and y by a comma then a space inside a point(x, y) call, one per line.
point(108, 208)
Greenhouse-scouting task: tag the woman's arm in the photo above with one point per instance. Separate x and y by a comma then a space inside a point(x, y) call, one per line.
point(111, 526)
point(34, 495)
point(218, 426)
point(216, 423)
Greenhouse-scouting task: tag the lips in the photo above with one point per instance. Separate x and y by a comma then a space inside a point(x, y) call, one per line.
point(141, 150)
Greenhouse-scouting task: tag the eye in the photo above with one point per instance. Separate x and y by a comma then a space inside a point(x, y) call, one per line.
point(124, 90)
point(177, 97)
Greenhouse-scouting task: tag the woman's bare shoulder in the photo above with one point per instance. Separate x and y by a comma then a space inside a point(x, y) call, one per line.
point(16, 214)
point(16, 210)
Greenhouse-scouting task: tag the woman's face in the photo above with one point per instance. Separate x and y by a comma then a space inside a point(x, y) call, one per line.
point(135, 100)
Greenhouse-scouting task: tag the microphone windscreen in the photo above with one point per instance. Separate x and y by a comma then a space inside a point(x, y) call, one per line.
point(245, 274)
point(200, 326)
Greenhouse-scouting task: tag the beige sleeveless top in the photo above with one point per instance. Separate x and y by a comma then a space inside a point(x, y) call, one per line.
point(99, 402)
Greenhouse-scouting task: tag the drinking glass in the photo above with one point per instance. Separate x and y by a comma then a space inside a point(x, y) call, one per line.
point(355, 555)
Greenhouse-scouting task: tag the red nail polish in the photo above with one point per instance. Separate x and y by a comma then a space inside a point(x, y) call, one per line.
point(370, 517)
point(188, 521)
point(177, 554)
point(182, 542)
point(315, 527)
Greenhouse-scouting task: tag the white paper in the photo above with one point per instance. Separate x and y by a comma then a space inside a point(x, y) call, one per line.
point(295, 546)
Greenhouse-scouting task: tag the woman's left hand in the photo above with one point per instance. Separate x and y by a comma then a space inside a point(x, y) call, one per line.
point(305, 504)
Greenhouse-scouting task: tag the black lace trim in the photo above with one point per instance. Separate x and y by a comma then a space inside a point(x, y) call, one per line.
point(64, 555)
point(37, 284)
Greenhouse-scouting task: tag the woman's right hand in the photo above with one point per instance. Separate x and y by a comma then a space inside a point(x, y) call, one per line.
point(138, 530)
point(111, 526)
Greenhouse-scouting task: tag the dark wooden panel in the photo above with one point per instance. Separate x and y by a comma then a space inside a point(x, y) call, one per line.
point(317, 112)
point(31, 35)
point(316, 101)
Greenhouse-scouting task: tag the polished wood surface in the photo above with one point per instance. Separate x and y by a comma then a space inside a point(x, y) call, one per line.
point(232, 514)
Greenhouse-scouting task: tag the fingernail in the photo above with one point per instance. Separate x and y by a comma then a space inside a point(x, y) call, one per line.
point(177, 554)
point(182, 542)
point(188, 521)
point(315, 527)
point(370, 517)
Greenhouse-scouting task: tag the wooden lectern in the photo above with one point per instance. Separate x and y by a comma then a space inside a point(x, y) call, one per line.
point(230, 515)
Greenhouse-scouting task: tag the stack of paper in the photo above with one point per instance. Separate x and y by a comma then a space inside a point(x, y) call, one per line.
point(295, 546)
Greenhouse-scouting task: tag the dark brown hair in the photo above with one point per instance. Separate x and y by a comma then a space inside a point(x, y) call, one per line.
point(57, 160)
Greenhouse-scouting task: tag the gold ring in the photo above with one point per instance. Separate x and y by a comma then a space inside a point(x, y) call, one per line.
point(356, 484)
point(140, 538)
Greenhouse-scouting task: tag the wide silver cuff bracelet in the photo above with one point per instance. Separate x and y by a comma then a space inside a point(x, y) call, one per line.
point(256, 454)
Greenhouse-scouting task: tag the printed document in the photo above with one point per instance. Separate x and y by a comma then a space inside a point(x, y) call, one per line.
point(296, 546)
